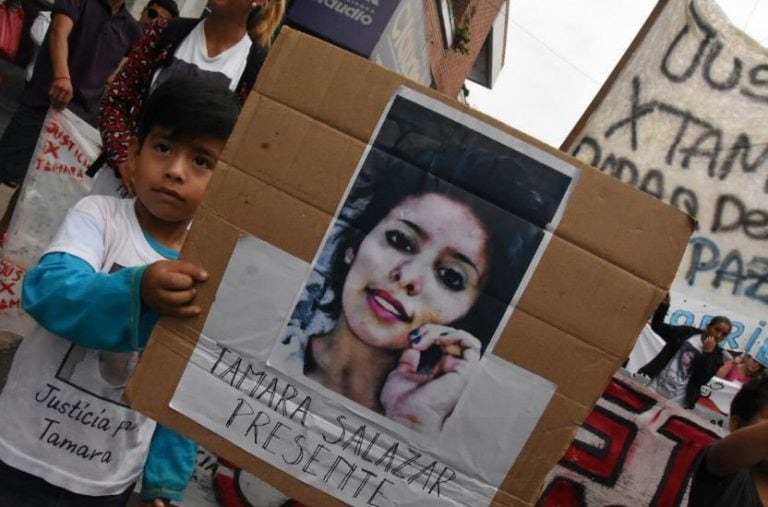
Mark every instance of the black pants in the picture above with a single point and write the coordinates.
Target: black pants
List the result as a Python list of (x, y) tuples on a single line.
[(18, 143), (19, 488)]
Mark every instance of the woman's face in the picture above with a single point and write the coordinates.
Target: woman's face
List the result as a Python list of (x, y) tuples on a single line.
[(717, 331), (423, 263), (751, 365)]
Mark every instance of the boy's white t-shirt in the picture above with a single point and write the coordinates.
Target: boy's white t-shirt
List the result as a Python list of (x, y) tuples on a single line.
[(191, 59), (62, 417)]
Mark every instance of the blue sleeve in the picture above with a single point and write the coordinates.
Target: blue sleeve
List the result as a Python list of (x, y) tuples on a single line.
[(66, 296), (169, 465)]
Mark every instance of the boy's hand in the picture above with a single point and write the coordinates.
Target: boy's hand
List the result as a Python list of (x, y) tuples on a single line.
[(169, 287)]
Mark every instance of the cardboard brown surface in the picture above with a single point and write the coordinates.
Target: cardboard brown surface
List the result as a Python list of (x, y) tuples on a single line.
[(281, 177)]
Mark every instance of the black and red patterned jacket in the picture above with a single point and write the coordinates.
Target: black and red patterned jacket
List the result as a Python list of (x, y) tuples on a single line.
[(123, 101)]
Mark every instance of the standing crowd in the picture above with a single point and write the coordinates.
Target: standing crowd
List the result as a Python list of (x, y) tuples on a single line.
[(734, 470)]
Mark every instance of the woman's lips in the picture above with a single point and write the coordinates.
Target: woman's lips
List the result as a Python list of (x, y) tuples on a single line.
[(386, 307)]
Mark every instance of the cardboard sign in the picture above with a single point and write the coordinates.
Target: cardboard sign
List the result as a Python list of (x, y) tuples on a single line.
[(683, 119), (303, 255), (634, 448)]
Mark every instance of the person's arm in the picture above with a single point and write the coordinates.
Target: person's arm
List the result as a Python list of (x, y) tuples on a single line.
[(123, 98), (725, 369), (169, 466), (66, 296), (706, 364), (60, 92), (665, 331), (742, 448), (66, 293)]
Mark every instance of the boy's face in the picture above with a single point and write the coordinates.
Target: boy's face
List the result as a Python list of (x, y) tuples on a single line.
[(170, 176)]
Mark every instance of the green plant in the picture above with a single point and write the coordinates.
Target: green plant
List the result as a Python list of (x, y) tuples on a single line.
[(461, 33), (461, 39)]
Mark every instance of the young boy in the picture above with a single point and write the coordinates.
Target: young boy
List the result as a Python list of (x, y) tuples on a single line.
[(734, 470), (67, 438)]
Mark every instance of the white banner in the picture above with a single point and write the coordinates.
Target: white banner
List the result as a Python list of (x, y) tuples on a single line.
[(685, 122), (56, 179)]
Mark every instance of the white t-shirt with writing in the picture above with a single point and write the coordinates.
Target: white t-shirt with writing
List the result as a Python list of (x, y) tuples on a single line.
[(62, 416), (673, 379)]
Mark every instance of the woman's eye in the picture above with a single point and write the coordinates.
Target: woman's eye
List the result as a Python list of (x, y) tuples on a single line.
[(399, 241), (451, 278)]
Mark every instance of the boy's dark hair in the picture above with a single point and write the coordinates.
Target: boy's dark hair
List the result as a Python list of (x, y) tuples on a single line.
[(189, 108), (751, 399), (168, 5)]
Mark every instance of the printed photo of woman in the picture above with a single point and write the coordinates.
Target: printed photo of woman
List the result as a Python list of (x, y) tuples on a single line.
[(431, 248)]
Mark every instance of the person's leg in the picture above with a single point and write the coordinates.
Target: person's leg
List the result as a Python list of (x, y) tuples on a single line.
[(18, 143), (19, 488), (74, 500)]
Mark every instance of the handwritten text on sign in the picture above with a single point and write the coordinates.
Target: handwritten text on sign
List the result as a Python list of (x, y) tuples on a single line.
[(685, 122)]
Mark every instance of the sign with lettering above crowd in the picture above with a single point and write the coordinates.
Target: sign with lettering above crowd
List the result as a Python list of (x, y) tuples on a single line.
[(683, 118)]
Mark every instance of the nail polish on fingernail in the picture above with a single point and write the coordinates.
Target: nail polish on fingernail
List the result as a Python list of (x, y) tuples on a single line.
[(445, 333), (415, 336)]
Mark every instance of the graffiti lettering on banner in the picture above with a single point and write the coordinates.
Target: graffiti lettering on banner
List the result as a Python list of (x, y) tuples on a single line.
[(634, 448)]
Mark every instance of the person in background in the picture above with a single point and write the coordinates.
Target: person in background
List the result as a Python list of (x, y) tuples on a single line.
[(734, 470), (741, 370), (227, 47), (84, 45), (689, 359), (163, 9), (68, 439)]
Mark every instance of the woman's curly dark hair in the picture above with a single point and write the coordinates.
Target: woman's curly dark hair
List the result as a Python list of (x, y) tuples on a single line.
[(502, 193)]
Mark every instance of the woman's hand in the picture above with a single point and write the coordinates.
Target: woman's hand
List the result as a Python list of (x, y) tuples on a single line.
[(709, 344), (423, 396)]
